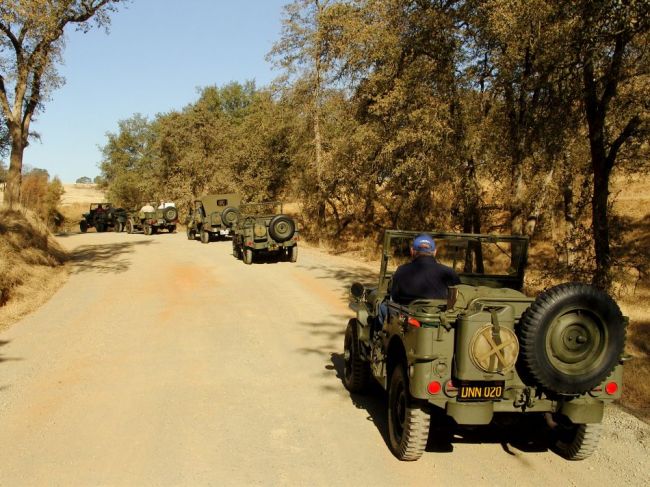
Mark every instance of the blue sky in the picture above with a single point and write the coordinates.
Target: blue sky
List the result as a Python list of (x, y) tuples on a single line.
[(156, 55)]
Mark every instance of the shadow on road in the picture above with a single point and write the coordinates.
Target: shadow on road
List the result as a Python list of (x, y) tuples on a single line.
[(106, 258), (3, 358), (345, 274)]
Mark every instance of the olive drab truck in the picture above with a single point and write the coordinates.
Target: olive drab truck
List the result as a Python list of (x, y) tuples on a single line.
[(488, 349), (212, 216)]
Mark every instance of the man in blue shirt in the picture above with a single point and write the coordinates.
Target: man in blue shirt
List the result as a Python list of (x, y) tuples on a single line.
[(423, 277)]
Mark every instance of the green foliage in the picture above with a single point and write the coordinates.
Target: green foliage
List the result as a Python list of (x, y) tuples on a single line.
[(84, 180), (43, 195)]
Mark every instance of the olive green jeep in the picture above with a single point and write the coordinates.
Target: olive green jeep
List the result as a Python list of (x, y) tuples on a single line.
[(262, 228), (103, 217), (213, 216), (150, 219), (488, 351)]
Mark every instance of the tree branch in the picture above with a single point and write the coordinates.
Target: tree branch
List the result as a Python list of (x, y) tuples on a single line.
[(14, 41), (612, 77), (626, 133), (4, 101)]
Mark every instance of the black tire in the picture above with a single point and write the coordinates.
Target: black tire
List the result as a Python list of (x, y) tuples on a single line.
[(236, 252), (148, 229), (571, 338), (154, 230), (191, 235), (229, 216), (170, 213), (576, 441), (129, 226), (171, 228), (119, 227), (408, 422), (248, 256), (205, 236), (282, 228), (100, 227), (83, 226), (356, 371), (293, 253)]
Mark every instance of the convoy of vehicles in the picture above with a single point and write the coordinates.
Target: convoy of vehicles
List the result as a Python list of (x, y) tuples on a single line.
[(485, 351)]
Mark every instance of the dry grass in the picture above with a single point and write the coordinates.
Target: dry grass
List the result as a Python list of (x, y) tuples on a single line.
[(31, 264), (81, 193)]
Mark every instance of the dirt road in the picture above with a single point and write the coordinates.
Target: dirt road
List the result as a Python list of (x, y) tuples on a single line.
[(168, 362)]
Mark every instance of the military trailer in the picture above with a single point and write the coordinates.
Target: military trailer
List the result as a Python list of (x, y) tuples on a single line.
[(149, 219), (262, 228), (213, 216), (488, 351), (103, 217)]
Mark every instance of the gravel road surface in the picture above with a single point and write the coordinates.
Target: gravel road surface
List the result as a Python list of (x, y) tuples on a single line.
[(168, 362)]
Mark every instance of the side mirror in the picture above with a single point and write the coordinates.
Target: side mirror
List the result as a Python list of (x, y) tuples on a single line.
[(357, 290)]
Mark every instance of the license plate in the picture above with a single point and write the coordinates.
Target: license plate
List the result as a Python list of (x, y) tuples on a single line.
[(481, 391)]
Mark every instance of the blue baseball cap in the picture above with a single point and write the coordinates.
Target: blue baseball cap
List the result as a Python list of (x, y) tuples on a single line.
[(424, 243)]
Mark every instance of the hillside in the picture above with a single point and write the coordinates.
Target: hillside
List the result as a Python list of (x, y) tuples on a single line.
[(31, 265)]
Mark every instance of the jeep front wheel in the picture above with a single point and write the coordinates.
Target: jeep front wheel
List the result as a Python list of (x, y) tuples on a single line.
[(571, 338), (408, 423), (129, 226), (83, 226), (248, 256), (171, 228), (205, 236), (356, 371), (190, 233), (148, 229)]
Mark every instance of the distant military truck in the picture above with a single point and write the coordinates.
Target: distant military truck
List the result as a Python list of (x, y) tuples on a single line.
[(488, 351), (149, 219), (262, 228), (102, 217), (213, 216)]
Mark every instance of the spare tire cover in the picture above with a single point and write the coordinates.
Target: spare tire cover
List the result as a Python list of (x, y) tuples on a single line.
[(282, 228), (571, 338), (229, 216)]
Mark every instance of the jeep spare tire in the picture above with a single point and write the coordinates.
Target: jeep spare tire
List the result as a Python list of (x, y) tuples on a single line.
[(571, 338), (282, 228), (229, 216), (170, 213)]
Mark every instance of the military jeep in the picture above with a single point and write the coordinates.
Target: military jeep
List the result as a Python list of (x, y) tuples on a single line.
[(488, 350), (262, 228), (149, 219), (213, 216), (103, 217)]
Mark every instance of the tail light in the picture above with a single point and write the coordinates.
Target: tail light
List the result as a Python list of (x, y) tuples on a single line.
[(414, 323), (434, 387), (611, 388)]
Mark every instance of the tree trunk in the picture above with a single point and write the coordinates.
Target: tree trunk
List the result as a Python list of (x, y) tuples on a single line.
[(14, 175), (600, 222)]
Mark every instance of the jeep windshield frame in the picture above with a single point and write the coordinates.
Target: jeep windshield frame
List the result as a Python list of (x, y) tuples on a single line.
[(497, 261)]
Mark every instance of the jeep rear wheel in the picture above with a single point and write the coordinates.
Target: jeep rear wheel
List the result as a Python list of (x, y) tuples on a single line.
[(171, 228), (83, 226), (576, 441), (356, 371), (205, 236), (571, 338), (281, 228), (293, 253), (148, 229), (408, 423), (190, 233), (119, 227), (248, 256)]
